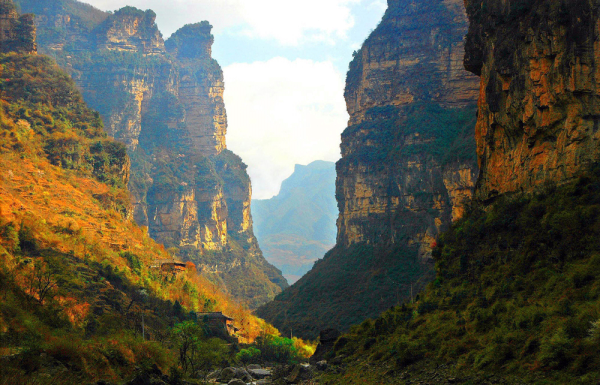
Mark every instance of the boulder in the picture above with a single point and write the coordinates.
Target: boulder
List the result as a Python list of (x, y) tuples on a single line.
[(259, 373), (236, 381), (227, 374), (321, 365), (300, 373), (243, 375), (253, 367), (213, 374), (327, 340)]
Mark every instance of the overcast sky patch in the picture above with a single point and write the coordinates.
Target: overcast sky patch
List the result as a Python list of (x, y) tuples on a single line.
[(282, 113)]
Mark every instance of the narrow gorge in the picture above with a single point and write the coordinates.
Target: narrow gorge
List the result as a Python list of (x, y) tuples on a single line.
[(164, 100), (408, 166)]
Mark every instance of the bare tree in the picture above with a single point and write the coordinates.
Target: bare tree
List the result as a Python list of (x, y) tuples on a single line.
[(41, 282)]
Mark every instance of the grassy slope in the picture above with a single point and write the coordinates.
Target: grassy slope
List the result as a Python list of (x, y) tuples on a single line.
[(64, 226), (344, 288), (515, 300)]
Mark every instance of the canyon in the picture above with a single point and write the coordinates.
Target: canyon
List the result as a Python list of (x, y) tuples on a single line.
[(297, 226), (164, 100), (408, 167), (508, 291)]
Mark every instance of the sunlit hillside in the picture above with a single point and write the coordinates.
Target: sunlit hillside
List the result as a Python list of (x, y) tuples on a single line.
[(81, 299)]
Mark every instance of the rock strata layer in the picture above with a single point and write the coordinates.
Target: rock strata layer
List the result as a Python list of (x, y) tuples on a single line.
[(538, 103), (408, 165), (164, 100), (404, 88)]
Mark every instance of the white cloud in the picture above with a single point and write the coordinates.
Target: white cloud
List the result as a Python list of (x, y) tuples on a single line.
[(292, 22), (281, 113), (287, 22)]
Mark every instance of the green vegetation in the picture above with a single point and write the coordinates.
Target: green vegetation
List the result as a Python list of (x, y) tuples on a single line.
[(198, 352), (45, 105), (248, 355), (516, 295), (443, 134), (82, 299), (346, 286)]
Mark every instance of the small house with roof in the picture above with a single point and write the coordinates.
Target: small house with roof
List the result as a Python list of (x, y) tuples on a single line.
[(217, 322)]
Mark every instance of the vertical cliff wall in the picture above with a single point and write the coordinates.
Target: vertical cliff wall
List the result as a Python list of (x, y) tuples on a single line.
[(538, 103), (17, 32), (408, 163), (164, 100), (410, 101)]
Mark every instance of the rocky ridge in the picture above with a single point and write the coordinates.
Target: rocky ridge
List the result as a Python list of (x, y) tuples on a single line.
[(407, 76), (538, 110), (164, 100)]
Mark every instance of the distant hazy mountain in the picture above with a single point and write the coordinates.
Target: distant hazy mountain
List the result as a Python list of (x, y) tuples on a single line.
[(297, 226)]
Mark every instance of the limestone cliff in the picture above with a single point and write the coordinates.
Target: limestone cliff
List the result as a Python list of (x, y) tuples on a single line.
[(539, 63), (408, 164), (17, 32), (130, 29), (164, 100), (404, 88)]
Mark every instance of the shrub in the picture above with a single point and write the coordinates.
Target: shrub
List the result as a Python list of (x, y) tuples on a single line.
[(248, 355), (554, 350), (277, 349)]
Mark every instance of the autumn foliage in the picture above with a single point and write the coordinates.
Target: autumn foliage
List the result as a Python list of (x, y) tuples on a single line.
[(77, 276)]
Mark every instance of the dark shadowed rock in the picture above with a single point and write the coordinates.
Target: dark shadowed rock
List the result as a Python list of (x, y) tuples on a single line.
[(322, 365), (327, 339)]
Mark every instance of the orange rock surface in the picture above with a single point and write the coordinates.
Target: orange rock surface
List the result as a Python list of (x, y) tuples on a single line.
[(538, 102)]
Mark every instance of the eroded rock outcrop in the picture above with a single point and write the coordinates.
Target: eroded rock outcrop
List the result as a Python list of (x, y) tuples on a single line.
[(164, 100), (17, 32), (538, 104)]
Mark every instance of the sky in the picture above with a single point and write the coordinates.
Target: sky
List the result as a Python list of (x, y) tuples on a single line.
[(284, 64)]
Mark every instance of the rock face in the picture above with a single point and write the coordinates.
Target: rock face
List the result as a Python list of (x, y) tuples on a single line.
[(297, 227), (408, 163), (164, 100), (538, 103), (404, 87), (17, 33), (327, 340)]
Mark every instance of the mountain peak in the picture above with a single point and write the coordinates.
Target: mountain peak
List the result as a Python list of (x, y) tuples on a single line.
[(192, 41), (131, 29)]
